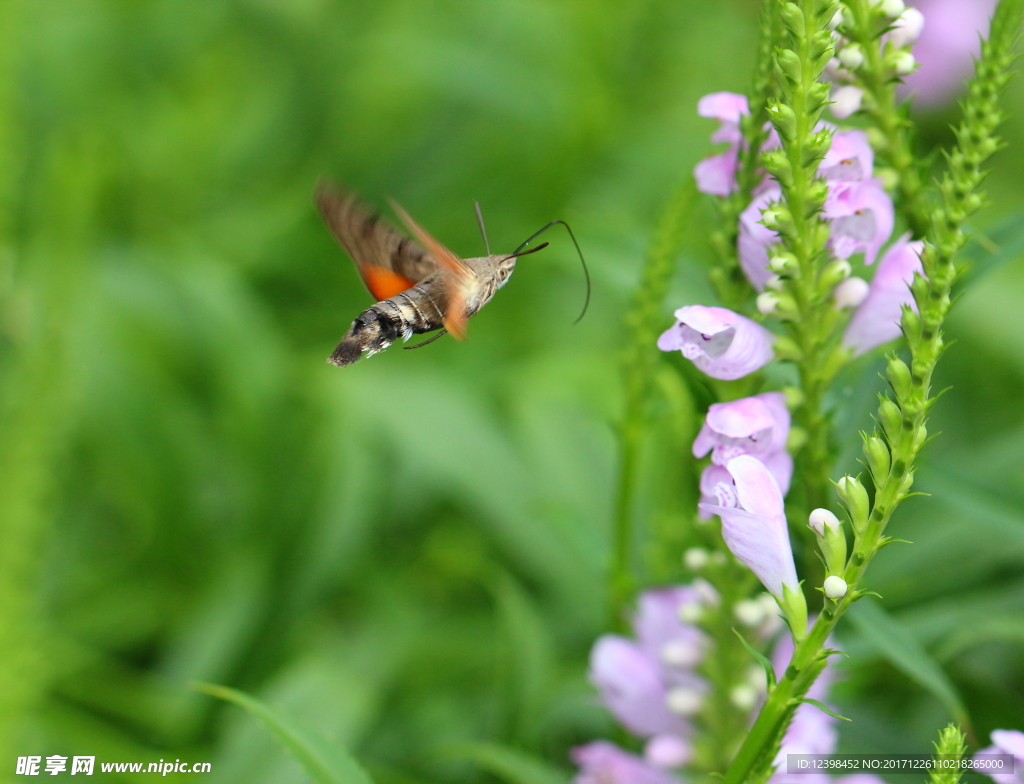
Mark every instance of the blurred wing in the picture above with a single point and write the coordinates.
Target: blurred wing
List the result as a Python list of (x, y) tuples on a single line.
[(388, 262), (456, 281)]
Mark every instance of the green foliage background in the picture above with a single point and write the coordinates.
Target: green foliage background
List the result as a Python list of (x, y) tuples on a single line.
[(409, 553)]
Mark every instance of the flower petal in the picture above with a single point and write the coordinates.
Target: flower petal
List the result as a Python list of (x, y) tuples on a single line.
[(716, 175), (724, 106), (877, 319)]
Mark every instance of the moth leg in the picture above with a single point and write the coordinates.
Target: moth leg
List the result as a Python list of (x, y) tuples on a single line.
[(440, 334)]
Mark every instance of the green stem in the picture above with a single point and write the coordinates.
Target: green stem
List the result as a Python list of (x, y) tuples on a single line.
[(876, 79), (638, 368)]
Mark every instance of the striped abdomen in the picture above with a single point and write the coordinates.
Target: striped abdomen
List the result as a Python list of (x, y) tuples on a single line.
[(419, 309)]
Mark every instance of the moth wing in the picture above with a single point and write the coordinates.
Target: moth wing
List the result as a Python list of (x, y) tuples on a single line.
[(388, 262), (456, 281)]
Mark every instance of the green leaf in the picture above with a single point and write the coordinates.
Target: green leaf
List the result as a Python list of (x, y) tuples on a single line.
[(824, 708), (985, 252), (322, 760), (906, 654), (766, 665), (509, 765)]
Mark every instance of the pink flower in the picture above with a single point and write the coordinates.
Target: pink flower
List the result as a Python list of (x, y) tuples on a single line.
[(662, 635), (877, 319), (862, 218), (723, 344), (716, 175), (754, 523), (1007, 742), (602, 762), (946, 47), (859, 209), (668, 751), (755, 238), (757, 426), (633, 688)]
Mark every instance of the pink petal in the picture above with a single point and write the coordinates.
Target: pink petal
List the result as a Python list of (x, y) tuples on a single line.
[(849, 158), (602, 762), (946, 48), (757, 534), (724, 106), (717, 175), (740, 418), (754, 238), (877, 319), (630, 683)]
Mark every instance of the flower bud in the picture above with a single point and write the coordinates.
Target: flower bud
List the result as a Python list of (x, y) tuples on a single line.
[(891, 8), (782, 262), (899, 376), (855, 498), (907, 28), (835, 587), (696, 558), (795, 397), (681, 655), (891, 417), (851, 292), (749, 612), (877, 454), (903, 63), (836, 20), (831, 539), (819, 519), (846, 100), (921, 437), (775, 283), (767, 302), (851, 56), (707, 593), (684, 701), (835, 272), (796, 439), (907, 483), (744, 696), (691, 612)]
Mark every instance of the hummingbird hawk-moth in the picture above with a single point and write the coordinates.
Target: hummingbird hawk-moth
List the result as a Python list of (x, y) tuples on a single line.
[(420, 285)]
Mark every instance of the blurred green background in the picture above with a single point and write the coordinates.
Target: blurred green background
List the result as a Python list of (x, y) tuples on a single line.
[(409, 552)]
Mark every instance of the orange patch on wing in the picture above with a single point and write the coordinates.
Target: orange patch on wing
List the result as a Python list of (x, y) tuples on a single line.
[(383, 283)]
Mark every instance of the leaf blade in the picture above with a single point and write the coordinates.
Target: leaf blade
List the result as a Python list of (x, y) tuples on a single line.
[(322, 760)]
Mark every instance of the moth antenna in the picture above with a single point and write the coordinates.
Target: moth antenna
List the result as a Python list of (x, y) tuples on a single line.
[(483, 229), (586, 272), (440, 334)]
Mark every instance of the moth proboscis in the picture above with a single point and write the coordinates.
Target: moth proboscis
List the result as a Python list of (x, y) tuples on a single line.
[(420, 284)]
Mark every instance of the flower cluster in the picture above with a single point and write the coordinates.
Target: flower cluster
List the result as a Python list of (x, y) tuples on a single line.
[(1007, 742), (905, 27)]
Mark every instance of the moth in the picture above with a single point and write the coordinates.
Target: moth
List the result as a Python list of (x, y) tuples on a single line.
[(420, 285)]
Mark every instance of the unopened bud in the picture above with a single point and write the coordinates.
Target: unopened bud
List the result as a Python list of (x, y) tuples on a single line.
[(820, 519), (899, 376), (691, 612), (749, 612), (795, 397), (835, 587), (681, 654), (696, 558), (782, 262), (903, 63), (921, 437), (846, 100), (891, 417), (907, 483), (855, 497), (851, 292), (836, 20), (706, 591), (796, 439), (668, 751), (907, 28), (891, 8), (744, 696), (684, 701), (833, 273), (851, 56), (775, 283), (877, 454), (767, 302), (831, 539)]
